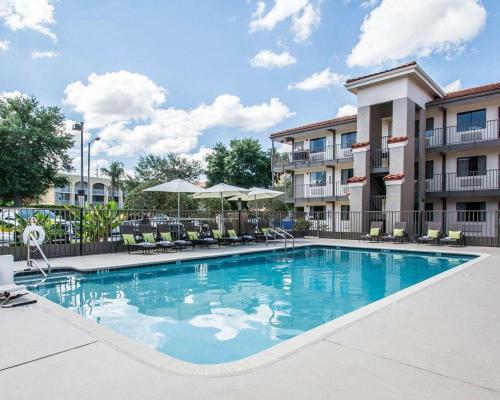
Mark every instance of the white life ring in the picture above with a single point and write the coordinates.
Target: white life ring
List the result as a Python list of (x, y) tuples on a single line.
[(38, 233)]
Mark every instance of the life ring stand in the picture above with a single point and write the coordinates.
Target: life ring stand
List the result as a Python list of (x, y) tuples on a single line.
[(37, 232)]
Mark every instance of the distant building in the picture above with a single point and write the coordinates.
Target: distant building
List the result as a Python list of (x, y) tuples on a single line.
[(100, 192)]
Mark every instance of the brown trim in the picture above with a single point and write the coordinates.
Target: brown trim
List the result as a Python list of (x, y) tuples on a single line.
[(316, 125), (394, 177), (411, 63), (397, 139)]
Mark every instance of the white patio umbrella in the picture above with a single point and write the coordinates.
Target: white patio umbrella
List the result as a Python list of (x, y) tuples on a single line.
[(257, 193), (176, 186), (221, 190)]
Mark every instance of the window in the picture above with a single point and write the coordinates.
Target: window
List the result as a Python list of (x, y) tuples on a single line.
[(318, 178), (429, 212), (429, 169), (318, 145), (344, 212), (470, 120), (347, 140), (298, 146), (474, 211), (429, 127), (471, 166), (317, 212), (345, 174)]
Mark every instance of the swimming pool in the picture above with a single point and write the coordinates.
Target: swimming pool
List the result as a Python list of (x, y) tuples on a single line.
[(224, 309)]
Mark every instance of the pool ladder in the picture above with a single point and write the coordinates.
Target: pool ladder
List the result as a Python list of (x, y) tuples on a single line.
[(31, 262), (282, 234)]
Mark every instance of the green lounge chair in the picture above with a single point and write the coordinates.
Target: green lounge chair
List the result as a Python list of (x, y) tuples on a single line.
[(455, 236), (148, 235), (165, 232), (375, 233), (399, 233), (129, 240), (433, 233)]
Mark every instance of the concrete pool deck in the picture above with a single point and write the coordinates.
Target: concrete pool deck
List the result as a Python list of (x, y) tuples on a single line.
[(438, 343)]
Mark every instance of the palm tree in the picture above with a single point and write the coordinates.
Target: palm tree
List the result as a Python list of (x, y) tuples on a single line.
[(115, 171)]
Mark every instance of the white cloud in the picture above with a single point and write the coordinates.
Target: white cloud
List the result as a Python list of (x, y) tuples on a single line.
[(44, 54), (114, 97), (9, 95), (346, 109), (319, 80), (200, 156), (303, 24), (127, 109), (4, 45), (36, 15), (268, 59), (369, 3), (398, 29), (305, 17), (453, 86)]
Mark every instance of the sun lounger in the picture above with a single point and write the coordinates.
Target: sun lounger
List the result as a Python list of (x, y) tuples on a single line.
[(129, 240), (433, 233), (399, 233), (375, 233), (165, 232), (455, 236), (148, 235)]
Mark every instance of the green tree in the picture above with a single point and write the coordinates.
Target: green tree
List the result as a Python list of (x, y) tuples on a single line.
[(244, 163), (216, 165), (115, 173), (152, 170), (34, 149)]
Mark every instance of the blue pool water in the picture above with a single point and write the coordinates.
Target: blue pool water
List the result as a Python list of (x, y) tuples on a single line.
[(224, 309)]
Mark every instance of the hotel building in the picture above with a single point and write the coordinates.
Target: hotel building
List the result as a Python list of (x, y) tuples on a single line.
[(411, 147)]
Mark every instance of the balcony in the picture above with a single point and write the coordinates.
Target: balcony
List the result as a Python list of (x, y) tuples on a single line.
[(475, 183), (325, 192), (380, 160), (483, 133), (302, 158)]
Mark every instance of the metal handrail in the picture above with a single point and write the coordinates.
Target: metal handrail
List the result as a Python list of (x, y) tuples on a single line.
[(283, 234), (31, 261)]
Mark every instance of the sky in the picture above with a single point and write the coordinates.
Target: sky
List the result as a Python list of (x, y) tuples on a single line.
[(181, 75)]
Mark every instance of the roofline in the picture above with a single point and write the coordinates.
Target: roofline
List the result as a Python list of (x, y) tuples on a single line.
[(353, 84), (349, 119), (438, 102)]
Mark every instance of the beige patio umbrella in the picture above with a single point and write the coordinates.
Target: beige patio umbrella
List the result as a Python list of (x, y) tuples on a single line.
[(221, 191), (176, 186)]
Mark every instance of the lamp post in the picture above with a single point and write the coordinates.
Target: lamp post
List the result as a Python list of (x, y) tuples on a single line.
[(89, 198), (81, 192)]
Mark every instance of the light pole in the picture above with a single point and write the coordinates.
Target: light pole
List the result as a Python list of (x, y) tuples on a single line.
[(89, 199), (81, 192)]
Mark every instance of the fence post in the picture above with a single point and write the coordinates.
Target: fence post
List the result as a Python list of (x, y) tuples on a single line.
[(81, 231)]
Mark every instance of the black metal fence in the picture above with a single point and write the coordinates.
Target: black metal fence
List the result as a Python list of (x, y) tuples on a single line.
[(71, 232)]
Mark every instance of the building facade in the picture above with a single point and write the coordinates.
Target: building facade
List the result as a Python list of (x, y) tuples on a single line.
[(101, 192), (411, 147)]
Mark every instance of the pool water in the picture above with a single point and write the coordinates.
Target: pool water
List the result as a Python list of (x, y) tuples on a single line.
[(224, 309)]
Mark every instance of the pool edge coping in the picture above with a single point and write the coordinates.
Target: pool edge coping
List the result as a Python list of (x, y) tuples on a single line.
[(271, 355)]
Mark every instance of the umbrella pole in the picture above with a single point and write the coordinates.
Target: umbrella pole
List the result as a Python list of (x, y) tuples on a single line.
[(178, 215), (222, 215)]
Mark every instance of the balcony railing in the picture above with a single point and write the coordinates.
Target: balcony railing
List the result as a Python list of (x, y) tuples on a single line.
[(473, 181), (487, 130), (315, 191), (380, 158), (98, 192), (328, 153)]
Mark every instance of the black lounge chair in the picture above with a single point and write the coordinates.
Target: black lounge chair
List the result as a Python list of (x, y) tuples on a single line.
[(129, 240), (263, 232), (231, 237), (399, 233), (433, 233), (249, 235), (196, 239), (165, 232), (148, 235), (375, 233), (455, 236)]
